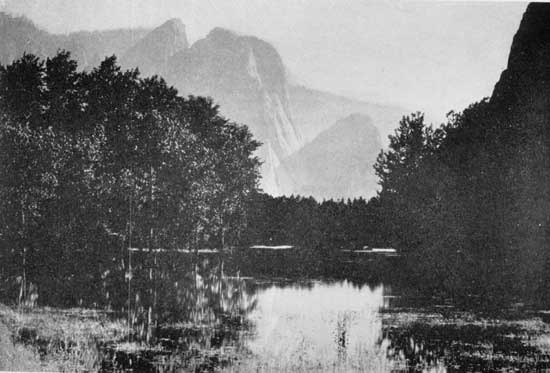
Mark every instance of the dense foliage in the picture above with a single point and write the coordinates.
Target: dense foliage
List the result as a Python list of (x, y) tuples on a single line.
[(95, 162), (469, 204), (323, 235), (466, 204), (92, 163)]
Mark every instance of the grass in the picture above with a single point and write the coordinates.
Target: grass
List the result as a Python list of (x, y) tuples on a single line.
[(17, 357), (419, 343), (363, 363), (50, 339)]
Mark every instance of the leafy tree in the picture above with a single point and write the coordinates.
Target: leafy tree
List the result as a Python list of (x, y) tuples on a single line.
[(93, 162)]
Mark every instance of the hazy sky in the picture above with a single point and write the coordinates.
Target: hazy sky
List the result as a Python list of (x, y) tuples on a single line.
[(425, 56)]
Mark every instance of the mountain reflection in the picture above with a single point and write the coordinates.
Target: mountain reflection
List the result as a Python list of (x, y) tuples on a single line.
[(207, 320), (204, 320), (321, 326)]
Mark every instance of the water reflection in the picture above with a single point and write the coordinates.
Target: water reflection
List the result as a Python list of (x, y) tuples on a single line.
[(209, 321), (323, 326), (183, 315)]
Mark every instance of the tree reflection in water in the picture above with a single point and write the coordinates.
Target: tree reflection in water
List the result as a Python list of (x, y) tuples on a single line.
[(185, 313), (203, 319)]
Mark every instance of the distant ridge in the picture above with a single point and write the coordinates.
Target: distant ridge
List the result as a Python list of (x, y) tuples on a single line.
[(338, 163), (19, 35), (246, 76)]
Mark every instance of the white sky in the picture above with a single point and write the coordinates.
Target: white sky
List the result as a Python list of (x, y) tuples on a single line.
[(425, 56)]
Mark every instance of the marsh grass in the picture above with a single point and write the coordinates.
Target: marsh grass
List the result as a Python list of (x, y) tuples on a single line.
[(58, 340), (417, 341), (51, 339), (362, 363), (17, 357)]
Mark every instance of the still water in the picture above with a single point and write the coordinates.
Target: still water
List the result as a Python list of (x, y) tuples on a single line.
[(334, 326), (322, 326)]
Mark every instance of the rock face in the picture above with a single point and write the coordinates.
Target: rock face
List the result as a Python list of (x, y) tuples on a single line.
[(152, 52), (526, 80), (246, 76), (338, 163)]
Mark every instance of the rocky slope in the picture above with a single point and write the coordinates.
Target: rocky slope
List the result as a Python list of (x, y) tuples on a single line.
[(338, 163), (526, 81), (246, 76)]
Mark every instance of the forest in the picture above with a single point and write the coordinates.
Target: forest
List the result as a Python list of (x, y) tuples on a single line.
[(96, 162), (465, 203)]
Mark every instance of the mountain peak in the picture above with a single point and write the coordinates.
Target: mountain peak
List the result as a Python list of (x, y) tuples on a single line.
[(527, 74), (221, 32), (151, 53), (230, 39), (247, 77), (174, 21), (171, 33), (176, 27)]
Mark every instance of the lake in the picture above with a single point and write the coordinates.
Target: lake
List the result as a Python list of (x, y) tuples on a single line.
[(241, 324)]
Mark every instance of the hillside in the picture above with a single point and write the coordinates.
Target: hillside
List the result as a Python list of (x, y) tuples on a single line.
[(338, 163)]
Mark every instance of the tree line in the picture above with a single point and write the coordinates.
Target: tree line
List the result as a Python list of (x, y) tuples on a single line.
[(468, 203), (93, 163)]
